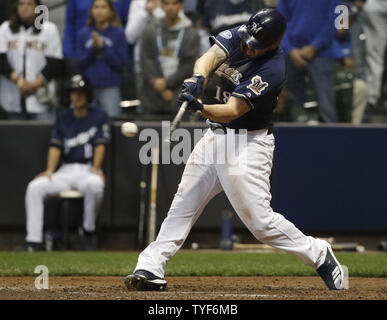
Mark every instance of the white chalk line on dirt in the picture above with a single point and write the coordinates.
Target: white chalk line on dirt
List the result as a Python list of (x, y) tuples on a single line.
[(196, 293), (219, 294)]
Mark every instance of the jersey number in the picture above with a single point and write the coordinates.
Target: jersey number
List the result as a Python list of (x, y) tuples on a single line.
[(222, 96), (88, 151)]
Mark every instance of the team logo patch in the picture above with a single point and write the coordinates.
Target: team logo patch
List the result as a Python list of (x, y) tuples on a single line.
[(230, 73), (257, 85), (226, 34)]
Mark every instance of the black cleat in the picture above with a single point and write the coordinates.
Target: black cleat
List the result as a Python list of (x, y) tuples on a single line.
[(333, 274), (142, 280), (31, 247), (89, 240)]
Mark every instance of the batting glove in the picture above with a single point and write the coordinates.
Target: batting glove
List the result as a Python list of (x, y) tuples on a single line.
[(193, 85), (193, 104)]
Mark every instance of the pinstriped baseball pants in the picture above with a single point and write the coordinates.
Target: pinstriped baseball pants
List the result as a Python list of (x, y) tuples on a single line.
[(245, 178), (69, 176)]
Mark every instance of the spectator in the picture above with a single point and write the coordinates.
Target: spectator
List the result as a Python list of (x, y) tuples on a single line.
[(308, 46), (101, 55), (349, 50), (168, 52), (79, 139), (4, 15), (141, 14), (57, 13), (190, 7), (24, 86), (376, 44), (76, 18), (221, 15)]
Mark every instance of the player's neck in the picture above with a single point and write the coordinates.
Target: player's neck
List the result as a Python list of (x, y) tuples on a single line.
[(81, 112)]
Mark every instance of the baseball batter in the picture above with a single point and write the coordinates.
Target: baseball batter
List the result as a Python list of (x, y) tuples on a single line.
[(245, 72), (79, 137)]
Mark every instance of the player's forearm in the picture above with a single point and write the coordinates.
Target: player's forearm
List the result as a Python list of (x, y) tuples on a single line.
[(53, 157), (208, 62), (233, 109), (205, 64), (54, 68), (99, 156), (5, 67), (220, 112)]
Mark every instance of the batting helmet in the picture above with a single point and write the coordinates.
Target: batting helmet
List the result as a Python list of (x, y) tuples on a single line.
[(78, 82), (264, 28)]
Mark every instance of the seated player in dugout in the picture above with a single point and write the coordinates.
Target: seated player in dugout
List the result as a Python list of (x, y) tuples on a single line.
[(79, 138), (245, 72)]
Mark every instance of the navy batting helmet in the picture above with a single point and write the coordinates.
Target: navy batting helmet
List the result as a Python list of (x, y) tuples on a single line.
[(264, 28), (78, 82)]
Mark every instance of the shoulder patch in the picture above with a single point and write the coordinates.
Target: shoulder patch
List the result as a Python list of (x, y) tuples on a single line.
[(257, 85), (226, 34)]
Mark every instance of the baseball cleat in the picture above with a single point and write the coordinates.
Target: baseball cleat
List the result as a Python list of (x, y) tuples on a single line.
[(31, 247), (89, 240), (142, 280), (333, 274)]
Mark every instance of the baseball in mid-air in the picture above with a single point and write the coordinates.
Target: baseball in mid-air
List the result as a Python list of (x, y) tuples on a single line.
[(129, 129)]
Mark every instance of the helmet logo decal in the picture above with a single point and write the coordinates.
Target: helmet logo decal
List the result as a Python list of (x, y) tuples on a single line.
[(255, 28), (257, 85)]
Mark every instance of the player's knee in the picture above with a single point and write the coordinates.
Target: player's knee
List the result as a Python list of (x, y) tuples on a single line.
[(262, 215), (361, 87), (95, 184), (36, 186)]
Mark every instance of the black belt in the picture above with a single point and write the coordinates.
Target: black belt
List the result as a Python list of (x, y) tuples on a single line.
[(78, 161), (216, 126)]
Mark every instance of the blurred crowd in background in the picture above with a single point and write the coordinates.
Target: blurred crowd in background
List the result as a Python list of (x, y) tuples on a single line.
[(136, 54)]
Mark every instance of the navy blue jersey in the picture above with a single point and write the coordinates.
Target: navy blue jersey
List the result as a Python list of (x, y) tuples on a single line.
[(77, 137), (258, 81)]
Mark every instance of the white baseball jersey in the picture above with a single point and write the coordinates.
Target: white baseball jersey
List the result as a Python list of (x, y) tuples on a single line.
[(34, 48)]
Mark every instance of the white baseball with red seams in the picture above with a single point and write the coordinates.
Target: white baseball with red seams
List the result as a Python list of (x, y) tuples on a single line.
[(129, 129)]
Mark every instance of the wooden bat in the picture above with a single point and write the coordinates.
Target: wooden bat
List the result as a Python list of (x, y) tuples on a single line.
[(153, 197), (335, 246), (253, 246), (348, 246), (176, 121), (141, 220)]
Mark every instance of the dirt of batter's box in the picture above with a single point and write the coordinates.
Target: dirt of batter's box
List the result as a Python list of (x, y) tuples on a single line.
[(193, 288)]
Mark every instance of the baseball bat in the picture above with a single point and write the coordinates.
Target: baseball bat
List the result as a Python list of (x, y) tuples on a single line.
[(143, 185), (176, 121), (253, 246), (347, 246), (153, 197), (23, 105)]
